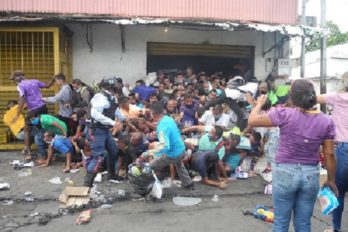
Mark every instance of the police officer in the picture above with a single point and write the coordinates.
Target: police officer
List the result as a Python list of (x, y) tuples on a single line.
[(102, 111)]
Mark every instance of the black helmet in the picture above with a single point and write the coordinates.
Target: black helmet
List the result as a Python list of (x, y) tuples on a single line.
[(108, 83)]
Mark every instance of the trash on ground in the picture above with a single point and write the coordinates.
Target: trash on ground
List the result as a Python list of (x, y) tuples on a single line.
[(167, 183), (268, 189), (74, 170), (69, 181), (29, 199), (98, 178), (264, 213), (55, 180), (240, 174), (215, 198), (34, 214), (187, 201), (177, 183), (29, 165), (197, 179), (6, 202), (14, 162), (121, 193), (105, 206), (142, 184), (327, 200), (157, 189), (27, 194), (4, 186), (96, 195), (74, 196), (28, 172), (84, 217)]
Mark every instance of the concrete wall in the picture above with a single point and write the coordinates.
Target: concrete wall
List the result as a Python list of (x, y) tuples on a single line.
[(107, 58)]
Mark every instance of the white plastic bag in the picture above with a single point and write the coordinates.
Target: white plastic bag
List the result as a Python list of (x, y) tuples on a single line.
[(157, 189)]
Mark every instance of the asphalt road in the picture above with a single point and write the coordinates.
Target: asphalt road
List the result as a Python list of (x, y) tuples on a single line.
[(133, 213)]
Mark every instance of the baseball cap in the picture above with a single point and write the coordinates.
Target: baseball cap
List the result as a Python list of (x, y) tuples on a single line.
[(17, 73)]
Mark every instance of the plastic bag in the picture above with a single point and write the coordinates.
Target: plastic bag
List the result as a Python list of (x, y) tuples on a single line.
[(328, 201), (157, 189), (84, 217)]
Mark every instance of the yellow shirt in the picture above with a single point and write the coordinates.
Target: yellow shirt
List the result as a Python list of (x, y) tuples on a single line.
[(9, 116)]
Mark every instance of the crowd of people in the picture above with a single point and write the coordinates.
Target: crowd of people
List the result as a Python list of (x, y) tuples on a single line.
[(186, 125)]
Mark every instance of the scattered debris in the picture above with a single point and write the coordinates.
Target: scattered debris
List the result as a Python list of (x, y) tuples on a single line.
[(69, 181), (28, 172), (177, 183), (157, 189), (84, 217), (55, 180), (29, 199), (74, 196), (96, 195), (167, 183), (215, 198), (187, 201), (98, 178), (27, 194), (105, 206), (34, 214), (4, 186), (121, 193), (261, 212), (74, 170), (6, 202)]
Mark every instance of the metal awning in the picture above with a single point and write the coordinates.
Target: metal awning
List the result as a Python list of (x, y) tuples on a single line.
[(297, 30)]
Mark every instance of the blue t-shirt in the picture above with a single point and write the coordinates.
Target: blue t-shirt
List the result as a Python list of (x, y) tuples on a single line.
[(232, 160), (169, 136), (144, 91), (62, 145)]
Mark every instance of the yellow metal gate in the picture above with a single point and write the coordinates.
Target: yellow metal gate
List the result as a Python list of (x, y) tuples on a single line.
[(40, 53)]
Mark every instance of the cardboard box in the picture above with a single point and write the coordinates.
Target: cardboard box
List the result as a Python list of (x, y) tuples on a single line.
[(74, 196)]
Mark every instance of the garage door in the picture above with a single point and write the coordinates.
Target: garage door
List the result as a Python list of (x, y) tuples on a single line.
[(179, 49)]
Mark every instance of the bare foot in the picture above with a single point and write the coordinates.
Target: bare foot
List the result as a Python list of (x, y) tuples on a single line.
[(27, 157), (66, 170)]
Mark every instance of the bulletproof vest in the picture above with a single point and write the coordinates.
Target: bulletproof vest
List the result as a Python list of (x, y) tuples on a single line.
[(109, 112)]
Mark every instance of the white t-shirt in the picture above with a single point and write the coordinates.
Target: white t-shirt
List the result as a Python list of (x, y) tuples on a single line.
[(208, 119)]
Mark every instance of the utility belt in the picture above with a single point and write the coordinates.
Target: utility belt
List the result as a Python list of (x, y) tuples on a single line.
[(92, 124)]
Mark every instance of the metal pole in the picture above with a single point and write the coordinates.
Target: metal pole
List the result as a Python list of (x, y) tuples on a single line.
[(323, 54), (303, 46)]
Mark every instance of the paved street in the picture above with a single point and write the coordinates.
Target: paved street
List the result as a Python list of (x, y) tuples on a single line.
[(132, 213)]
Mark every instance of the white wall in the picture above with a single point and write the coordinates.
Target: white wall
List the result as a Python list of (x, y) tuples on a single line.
[(107, 57)]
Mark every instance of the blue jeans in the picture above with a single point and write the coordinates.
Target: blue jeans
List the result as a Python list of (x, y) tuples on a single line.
[(40, 143), (341, 182), (100, 139), (295, 189)]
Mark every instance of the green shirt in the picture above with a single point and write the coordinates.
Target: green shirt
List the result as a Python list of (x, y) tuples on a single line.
[(282, 90), (47, 120), (205, 144)]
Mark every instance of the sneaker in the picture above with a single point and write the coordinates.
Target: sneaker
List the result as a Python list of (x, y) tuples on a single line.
[(190, 186), (115, 179)]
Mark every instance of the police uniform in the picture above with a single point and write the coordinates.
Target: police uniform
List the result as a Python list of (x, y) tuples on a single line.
[(103, 107)]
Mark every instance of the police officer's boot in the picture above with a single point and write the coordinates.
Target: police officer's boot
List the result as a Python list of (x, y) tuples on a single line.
[(89, 179), (112, 177)]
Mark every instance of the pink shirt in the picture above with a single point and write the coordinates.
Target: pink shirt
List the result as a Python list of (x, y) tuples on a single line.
[(339, 101)]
